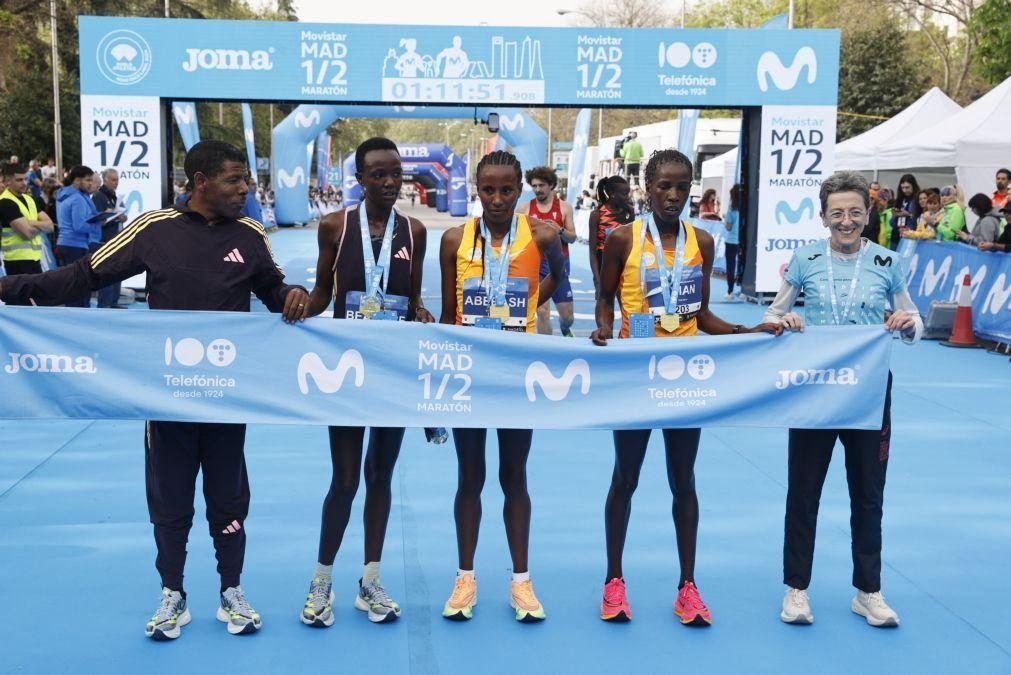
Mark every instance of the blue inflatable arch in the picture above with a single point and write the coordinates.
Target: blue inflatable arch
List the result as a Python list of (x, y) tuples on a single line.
[(291, 168), (432, 153)]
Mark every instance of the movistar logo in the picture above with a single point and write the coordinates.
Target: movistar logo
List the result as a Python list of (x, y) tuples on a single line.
[(556, 388), (326, 380), (512, 122), (785, 77), (304, 121), (290, 180), (227, 59), (800, 378), (49, 363), (785, 212), (185, 113)]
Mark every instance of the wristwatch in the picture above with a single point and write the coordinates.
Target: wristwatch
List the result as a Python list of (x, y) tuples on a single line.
[(738, 329)]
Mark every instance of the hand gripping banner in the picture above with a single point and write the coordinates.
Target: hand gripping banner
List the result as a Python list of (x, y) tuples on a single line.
[(213, 367)]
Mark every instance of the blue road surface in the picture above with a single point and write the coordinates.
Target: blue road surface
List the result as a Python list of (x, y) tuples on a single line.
[(77, 577)]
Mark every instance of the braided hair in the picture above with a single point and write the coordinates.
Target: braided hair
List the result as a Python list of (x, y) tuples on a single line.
[(661, 157), (605, 187), (500, 158), (496, 158)]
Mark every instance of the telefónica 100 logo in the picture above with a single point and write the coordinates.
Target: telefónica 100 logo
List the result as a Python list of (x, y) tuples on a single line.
[(190, 352)]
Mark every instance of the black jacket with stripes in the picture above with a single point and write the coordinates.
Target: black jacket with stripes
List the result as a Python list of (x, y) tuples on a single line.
[(191, 265)]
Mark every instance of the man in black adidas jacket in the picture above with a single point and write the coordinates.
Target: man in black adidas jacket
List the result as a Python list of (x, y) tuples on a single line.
[(200, 256)]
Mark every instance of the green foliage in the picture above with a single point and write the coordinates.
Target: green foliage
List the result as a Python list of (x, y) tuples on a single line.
[(992, 24), (878, 75), (26, 98), (735, 13)]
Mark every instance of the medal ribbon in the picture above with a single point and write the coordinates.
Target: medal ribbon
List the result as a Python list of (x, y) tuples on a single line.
[(670, 279), (853, 284), (376, 270), (496, 270)]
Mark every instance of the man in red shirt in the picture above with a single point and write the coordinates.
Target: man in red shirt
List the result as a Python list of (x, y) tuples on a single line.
[(548, 207), (999, 197)]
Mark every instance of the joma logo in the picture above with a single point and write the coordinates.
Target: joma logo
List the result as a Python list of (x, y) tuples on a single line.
[(50, 363)]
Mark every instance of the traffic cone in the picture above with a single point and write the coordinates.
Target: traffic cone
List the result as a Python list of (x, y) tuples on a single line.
[(961, 332)]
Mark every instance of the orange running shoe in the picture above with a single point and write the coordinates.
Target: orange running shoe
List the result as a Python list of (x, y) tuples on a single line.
[(614, 606), (690, 608), (528, 607), (460, 606)]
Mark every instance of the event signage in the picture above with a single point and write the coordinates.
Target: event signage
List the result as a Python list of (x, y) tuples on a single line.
[(294, 61), (212, 367), (123, 133), (935, 271), (797, 154)]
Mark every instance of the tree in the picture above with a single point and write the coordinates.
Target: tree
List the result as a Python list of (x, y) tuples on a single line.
[(955, 54), (878, 76), (992, 24), (625, 13), (26, 109)]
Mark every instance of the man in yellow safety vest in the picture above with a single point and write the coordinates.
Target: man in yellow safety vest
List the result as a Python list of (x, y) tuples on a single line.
[(24, 221)]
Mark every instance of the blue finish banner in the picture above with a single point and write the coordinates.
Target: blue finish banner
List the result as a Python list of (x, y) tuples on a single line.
[(263, 60), (934, 271), (213, 367)]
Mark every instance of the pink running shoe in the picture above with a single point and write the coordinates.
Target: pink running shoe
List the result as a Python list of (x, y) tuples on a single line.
[(614, 606), (690, 608)]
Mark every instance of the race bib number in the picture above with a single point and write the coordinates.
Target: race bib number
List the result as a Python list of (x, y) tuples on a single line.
[(391, 303), (475, 302), (689, 298)]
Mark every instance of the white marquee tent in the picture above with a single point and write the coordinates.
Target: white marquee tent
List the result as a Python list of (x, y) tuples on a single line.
[(860, 153), (974, 143)]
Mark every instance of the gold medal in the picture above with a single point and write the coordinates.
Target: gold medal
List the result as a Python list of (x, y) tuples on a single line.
[(369, 306), (498, 311), (670, 322)]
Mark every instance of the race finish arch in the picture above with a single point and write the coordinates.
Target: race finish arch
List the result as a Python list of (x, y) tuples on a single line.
[(784, 81)]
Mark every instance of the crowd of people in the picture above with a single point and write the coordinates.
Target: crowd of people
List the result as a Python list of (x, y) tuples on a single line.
[(72, 220), (940, 213), (496, 270)]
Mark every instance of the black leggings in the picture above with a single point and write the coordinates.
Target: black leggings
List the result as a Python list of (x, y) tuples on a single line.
[(682, 446), (514, 448), (730, 252), (346, 457)]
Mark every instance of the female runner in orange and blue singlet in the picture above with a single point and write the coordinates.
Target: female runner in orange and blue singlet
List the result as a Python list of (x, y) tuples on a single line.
[(661, 296), (491, 278)]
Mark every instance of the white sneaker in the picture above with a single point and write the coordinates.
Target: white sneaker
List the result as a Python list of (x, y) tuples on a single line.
[(872, 606), (796, 608)]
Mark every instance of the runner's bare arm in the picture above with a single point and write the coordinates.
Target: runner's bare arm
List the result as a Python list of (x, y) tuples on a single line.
[(450, 244), (331, 227)]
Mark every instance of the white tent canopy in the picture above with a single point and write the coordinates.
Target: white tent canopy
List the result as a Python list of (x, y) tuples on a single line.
[(939, 146), (860, 153), (987, 147), (718, 173)]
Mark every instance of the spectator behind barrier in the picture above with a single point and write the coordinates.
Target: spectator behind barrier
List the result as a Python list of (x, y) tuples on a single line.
[(75, 211), (999, 199), (953, 219), (988, 227), (1003, 242), (931, 215), (907, 208), (878, 228)]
